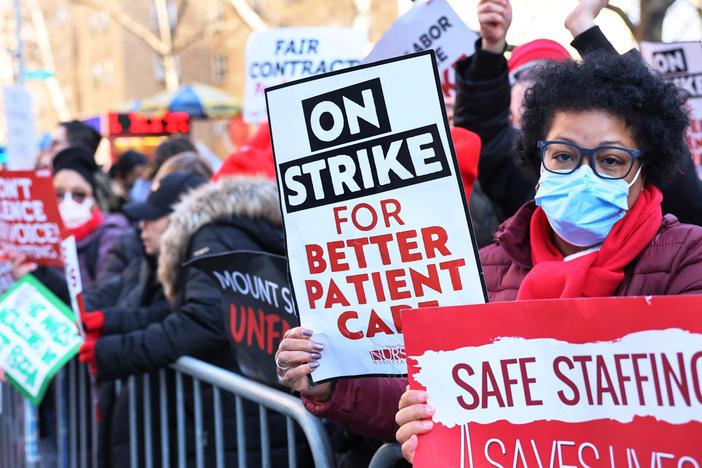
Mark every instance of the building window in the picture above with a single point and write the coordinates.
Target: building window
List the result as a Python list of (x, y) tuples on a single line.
[(219, 68), (96, 70)]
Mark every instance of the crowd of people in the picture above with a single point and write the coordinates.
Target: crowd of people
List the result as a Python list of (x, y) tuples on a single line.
[(583, 187)]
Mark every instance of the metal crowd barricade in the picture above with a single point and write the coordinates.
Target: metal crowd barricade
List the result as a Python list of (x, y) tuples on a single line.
[(76, 435), (387, 455)]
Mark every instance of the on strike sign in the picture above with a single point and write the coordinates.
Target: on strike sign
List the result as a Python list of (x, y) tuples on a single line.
[(374, 214), (30, 222), (580, 382), (681, 63), (285, 54)]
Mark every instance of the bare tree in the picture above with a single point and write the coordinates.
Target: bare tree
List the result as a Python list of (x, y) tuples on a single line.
[(247, 14), (58, 99), (167, 43), (650, 26)]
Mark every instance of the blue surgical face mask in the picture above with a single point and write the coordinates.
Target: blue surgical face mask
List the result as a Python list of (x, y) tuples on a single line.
[(581, 207)]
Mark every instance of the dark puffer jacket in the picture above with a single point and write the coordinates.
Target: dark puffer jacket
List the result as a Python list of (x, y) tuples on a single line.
[(670, 264), (93, 254), (234, 214), (129, 301)]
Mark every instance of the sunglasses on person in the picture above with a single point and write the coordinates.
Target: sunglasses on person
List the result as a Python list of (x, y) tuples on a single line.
[(77, 196)]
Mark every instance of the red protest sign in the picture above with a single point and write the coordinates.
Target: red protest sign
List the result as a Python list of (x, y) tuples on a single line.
[(30, 222), (578, 382)]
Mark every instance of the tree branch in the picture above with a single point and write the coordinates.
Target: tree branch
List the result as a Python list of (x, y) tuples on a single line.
[(622, 14), (183, 42), (128, 23), (247, 14)]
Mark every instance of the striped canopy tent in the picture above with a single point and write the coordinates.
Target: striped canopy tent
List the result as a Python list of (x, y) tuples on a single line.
[(197, 100)]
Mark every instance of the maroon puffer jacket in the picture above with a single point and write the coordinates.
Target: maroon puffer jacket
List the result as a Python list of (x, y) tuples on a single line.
[(670, 264)]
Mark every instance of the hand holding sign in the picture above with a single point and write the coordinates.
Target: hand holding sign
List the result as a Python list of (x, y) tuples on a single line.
[(296, 358), (414, 418)]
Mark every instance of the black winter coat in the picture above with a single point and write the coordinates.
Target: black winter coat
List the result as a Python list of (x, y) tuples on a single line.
[(129, 301), (235, 214)]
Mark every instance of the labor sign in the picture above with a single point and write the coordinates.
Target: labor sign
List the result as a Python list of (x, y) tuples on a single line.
[(375, 219), (30, 222), (429, 24), (578, 382)]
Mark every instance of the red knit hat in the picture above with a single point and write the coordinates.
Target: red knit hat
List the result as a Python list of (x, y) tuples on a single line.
[(527, 55), (254, 158), (467, 145)]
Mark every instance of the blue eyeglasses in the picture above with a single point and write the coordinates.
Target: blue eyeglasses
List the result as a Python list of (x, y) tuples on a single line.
[(608, 162)]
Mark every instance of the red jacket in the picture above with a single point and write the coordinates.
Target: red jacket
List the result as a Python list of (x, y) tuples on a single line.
[(670, 264)]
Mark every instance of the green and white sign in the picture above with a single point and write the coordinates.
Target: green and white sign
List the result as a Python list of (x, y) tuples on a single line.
[(38, 335)]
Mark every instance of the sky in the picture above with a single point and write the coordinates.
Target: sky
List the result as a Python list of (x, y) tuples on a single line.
[(532, 19)]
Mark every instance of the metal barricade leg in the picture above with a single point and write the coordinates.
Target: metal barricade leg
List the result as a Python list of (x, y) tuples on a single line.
[(73, 414), (180, 420), (31, 435), (61, 420), (265, 440), (163, 410), (199, 455), (290, 438), (83, 415), (133, 444), (240, 434), (219, 437), (148, 435)]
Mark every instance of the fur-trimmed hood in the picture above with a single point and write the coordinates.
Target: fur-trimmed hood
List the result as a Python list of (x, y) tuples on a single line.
[(252, 197)]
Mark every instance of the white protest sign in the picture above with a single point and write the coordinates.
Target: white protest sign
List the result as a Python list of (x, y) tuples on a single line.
[(280, 55), (374, 217), (38, 335), (434, 25), (21, 141), (681, 63)]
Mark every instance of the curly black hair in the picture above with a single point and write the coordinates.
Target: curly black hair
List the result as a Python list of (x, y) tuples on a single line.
[(622, 85)]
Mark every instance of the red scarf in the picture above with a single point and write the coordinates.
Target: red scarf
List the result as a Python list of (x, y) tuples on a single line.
[(597, 274), (87, 228)]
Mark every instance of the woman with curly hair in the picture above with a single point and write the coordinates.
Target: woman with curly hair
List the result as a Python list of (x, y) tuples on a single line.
[(600, 135)]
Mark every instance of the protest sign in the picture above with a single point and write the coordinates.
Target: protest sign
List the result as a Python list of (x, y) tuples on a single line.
[(37, 336), (576, 382), (280, 55), (21, 140), (429, 24), (681, 63), (30, 222), (258, 306), (372, 202)]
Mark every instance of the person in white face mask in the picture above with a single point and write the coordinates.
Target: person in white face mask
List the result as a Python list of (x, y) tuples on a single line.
[(74, 183)]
